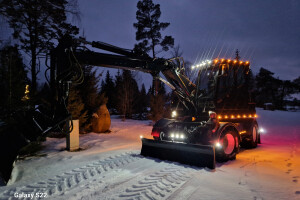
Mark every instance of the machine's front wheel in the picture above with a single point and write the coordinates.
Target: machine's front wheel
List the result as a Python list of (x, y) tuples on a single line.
[(229, 146)]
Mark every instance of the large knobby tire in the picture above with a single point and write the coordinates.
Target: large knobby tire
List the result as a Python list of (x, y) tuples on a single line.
[(229, 146), (254, 136)]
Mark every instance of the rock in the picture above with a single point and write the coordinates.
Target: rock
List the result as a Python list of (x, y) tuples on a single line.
[(101, 120)]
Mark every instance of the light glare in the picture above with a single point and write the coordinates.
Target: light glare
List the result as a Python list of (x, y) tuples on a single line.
[(174, 113), (261, 130)]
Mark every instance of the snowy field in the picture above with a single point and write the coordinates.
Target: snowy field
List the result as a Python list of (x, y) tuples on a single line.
[(109, 167)]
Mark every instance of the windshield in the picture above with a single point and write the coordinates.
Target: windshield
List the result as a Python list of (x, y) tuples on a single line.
[(206, 82)]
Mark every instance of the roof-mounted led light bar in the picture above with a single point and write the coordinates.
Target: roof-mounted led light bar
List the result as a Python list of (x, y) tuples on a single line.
[(203, 63), (219, 61), (237, 116)]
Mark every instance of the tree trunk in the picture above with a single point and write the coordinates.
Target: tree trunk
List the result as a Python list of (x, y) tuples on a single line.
[(153, 52), (155, 86), (33, 72)]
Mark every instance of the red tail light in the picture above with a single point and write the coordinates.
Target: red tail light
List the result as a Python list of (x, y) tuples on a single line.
[(155, 134)]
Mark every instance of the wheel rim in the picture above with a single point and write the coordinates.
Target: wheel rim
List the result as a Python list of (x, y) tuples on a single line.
[(228, 143), (254, 134)]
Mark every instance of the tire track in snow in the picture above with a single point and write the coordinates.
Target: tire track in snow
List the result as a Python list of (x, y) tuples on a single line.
[(72, 179), (159, 185)]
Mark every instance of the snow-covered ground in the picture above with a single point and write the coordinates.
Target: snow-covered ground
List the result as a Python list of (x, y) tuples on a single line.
[(109, 167)]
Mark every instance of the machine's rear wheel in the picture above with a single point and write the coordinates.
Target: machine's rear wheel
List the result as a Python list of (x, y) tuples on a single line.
[(229, 146), (254, 136)]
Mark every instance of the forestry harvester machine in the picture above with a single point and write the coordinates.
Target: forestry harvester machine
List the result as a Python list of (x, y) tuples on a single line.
[(214, 117)]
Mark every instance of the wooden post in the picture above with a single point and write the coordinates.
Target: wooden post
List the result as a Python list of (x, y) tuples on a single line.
[(73, 138)]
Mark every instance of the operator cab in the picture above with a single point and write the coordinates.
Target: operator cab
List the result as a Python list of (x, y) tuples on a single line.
[(222, 86)]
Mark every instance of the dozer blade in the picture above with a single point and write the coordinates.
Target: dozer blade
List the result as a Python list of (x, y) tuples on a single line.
[(192, 154)]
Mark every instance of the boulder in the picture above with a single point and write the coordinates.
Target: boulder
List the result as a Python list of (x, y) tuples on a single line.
[(101, 120)]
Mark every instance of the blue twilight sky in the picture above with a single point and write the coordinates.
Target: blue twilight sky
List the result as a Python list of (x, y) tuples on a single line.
[(266, 32)]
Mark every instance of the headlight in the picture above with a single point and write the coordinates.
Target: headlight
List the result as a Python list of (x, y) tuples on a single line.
[(182, 136), (174, 113), (172, 135), (261, 130), (218, 145)]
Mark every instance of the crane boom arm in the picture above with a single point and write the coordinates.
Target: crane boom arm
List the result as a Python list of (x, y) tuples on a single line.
[(66, 59)]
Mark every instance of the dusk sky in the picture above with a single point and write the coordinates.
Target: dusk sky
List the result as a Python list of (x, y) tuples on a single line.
[(266, 32)]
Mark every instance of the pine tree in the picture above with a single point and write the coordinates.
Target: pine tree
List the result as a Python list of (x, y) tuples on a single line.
[(157, 104), (127, 91), (118, 85), (263, 81), (142, 102), (296, 83), (267, 88), (13, 79), (37, 23), (143, 99), (76, 107), (157, 107), (149, 34), (89, 93), (149, 28), (286, 89), (108, 88)]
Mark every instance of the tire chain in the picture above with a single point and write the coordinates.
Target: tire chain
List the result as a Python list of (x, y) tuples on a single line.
[(68, 180)]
